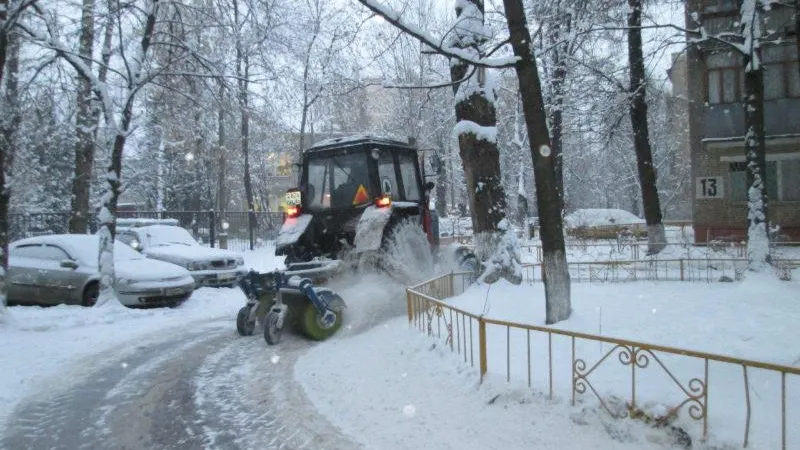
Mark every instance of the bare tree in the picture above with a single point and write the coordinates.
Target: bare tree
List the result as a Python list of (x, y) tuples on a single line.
[(656, 238), (85, 124), (119, 120), (476, 127), (10, 12), (549, 202)]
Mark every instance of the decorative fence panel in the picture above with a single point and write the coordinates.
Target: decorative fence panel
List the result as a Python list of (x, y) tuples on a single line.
[(755, 400)]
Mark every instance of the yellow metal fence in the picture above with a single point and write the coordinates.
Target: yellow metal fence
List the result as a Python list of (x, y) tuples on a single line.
[(650, 373)]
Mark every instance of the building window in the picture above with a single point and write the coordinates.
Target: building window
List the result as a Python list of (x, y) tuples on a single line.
[(715, 6), (781, 75), (790, 180), (725, 77), (783, 180)]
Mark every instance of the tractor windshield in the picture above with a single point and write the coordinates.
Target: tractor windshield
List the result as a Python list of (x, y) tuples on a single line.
[(338, 181)]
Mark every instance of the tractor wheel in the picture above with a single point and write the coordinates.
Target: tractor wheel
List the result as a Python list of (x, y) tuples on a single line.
[(311, 323), (272, 334), (244, 326)]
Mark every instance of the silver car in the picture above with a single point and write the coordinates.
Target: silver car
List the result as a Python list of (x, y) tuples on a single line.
[(62, 268), (209, 266)]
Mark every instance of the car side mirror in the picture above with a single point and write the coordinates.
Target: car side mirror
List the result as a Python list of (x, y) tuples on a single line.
[(69, 264), (429, 186)]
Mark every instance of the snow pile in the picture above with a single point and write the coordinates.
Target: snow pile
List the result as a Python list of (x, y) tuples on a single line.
[(504, 262), (482, 133), (596, 217)]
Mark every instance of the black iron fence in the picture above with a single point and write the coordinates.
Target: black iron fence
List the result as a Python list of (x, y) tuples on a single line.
[(233, 230)]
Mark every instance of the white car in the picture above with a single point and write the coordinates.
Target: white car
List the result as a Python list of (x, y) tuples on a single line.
[(208, 266), (62, 268)]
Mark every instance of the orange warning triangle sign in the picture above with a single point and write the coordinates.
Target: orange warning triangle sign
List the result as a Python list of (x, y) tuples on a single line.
[(361, 195)]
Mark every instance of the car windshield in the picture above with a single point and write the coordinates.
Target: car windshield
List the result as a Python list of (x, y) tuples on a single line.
[(164, 235), (125, 252)]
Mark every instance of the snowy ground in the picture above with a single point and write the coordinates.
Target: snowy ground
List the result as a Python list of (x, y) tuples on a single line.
[(403, 388), (42, 345), (383, 385)]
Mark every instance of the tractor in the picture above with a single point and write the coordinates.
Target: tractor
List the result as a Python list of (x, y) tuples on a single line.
[(354, 193)]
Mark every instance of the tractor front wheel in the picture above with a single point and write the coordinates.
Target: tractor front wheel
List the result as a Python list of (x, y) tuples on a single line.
[(272, 333), (244, 325)]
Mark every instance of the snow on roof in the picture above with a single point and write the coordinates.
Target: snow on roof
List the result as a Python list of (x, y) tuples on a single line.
[(83, 247), (140, 222), (597, 217), (355, 139)]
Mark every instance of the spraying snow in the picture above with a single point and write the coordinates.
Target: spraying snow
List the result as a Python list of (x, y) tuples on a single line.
[(407, 254)]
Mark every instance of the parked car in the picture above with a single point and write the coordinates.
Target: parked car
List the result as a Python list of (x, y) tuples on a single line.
[(209, 266), (62, 268)]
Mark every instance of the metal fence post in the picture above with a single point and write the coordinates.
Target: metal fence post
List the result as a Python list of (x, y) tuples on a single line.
[(251, 220), (408, 306), (681, 269), (482, 346), (212, 234)]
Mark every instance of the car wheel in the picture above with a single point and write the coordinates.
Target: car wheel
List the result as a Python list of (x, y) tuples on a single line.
[(272, 334), (90, 294), (312, 326), (244, 326)]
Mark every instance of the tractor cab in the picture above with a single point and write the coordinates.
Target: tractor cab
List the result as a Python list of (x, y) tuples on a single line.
[(352, 192)]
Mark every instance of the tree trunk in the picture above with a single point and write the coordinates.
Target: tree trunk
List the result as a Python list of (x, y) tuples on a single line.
[(108, 225), (243, 72), (221, 159), (477, 130), (245, 138), (557, 121), (755, 156), (557, 85), (656, 238), (9, 123), (555, 270), (85, 124), (3, 36)]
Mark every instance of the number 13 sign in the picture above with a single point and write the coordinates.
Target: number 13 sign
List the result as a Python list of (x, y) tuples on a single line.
[(709, 187)]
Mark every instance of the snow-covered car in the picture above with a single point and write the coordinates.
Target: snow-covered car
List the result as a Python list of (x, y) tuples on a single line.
[(209, 266), (62, 268), (600, 223)]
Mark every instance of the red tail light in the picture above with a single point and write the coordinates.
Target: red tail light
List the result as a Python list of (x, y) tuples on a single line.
[(383, 202), (292, 211)]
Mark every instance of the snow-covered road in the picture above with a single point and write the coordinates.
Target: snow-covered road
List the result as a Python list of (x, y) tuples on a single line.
[(195, 386)]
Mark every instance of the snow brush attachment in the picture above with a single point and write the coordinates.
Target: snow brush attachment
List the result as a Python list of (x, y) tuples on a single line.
[(325, 301)]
